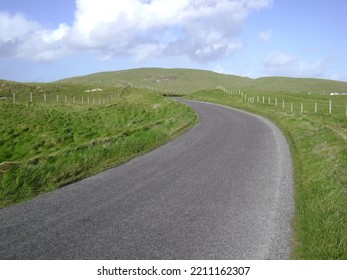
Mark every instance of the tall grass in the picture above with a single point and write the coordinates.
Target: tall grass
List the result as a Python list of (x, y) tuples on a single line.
[(318, 145), (46, 146)]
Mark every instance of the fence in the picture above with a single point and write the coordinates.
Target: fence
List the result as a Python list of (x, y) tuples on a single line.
[(67, 99), (336, 105), (298, 104), (85, 97)]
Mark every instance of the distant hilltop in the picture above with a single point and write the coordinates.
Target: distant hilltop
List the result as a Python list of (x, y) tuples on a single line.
[(190, 80)]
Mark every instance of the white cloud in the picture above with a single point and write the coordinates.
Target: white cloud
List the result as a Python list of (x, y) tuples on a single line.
[(265, 36), (22, 38), (14, 32), (281, 64), (13, 27), (144, 51), (200, 29)]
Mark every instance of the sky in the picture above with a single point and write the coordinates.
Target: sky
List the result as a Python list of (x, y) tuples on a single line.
[(43, 41)]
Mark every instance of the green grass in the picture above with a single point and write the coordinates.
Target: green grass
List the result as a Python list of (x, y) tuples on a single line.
[(318, 145), (191, 80), (57, 93), (49, 144), (44, 146), (171, 80)]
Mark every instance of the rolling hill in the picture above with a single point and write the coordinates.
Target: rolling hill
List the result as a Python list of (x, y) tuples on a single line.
[(190, 80)]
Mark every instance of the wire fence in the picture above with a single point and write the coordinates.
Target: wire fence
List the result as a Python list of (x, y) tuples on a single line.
[(95, 96), (299, 104), (308, 104)]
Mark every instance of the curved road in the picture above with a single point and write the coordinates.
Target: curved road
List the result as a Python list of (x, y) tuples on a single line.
[(223, 190)]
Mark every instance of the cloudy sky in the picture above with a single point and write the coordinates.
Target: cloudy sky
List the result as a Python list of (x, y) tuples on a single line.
[(43, 40)]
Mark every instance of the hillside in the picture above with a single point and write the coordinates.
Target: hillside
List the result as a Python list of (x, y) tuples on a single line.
[(304, 85), (182, 80), (190, 80)]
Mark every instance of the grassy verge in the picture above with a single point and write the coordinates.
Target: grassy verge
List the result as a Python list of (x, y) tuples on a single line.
[(318, 145), (44, 146)]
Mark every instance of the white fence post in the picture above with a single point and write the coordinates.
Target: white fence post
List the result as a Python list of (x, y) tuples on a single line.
[(330, 107), (14, 97), (315, 107)]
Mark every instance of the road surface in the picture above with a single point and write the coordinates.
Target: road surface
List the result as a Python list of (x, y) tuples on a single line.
[(223, 190)]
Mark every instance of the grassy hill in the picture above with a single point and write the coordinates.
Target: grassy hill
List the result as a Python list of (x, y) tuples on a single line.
[(304, 85), (190, 80), (181, 80), (56, 134)]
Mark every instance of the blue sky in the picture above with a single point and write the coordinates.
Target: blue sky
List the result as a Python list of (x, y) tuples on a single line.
[(44, 40)]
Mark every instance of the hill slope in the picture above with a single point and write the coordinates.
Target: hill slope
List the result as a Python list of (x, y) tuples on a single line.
[(190, 80), (187, 80)]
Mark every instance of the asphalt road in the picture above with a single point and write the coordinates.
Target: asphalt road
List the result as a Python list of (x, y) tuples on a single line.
[(223, 190)]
